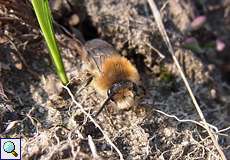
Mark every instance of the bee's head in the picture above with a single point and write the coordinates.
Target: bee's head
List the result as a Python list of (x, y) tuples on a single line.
[(122, 93)]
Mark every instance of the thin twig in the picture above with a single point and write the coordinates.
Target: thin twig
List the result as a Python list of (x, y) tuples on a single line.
[(184, 120), (164, 6), (156, 50), (95, 123), (92, 147), (2, 93), (170, 48), (19, 54), (224, 130), (216, 130)]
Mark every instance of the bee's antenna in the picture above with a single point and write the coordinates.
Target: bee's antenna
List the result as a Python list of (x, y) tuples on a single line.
[(102, 107)]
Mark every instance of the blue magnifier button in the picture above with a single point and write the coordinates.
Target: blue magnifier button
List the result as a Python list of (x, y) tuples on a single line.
[(8, 146)]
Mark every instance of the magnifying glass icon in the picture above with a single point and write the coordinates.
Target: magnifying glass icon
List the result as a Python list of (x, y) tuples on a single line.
[(9, 147)]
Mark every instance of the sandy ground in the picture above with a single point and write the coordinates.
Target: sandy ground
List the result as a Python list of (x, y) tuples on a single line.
[(35, 107)]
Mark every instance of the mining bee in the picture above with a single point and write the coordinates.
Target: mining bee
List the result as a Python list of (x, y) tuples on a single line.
[(113, 75)]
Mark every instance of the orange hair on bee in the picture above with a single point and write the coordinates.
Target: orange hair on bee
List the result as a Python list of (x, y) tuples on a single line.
[(115, 68)]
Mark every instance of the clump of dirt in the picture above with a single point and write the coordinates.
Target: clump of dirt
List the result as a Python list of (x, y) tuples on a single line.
[(35, 106)]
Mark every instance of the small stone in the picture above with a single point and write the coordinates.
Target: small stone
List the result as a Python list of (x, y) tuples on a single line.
[(74, 20), (168, 132), (41, 110), (213, 93), (18, 65)]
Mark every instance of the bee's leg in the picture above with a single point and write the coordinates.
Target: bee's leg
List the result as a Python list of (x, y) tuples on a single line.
[(102, 107), (142, 90), (85, 84)]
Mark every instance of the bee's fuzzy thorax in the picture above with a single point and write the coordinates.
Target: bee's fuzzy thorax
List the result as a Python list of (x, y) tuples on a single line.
[(114, 69)]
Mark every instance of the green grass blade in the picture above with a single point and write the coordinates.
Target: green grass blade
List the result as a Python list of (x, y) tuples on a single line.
[(44, 16)]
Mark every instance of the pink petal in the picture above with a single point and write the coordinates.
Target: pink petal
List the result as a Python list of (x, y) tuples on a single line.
[(220, 45), (198, 22)]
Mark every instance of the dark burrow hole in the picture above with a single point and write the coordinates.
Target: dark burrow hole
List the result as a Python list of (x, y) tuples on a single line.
[(84, 25), (88, 30), (91, 129)]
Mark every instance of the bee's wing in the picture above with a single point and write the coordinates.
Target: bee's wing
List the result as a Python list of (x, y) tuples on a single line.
[(98, 50)]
